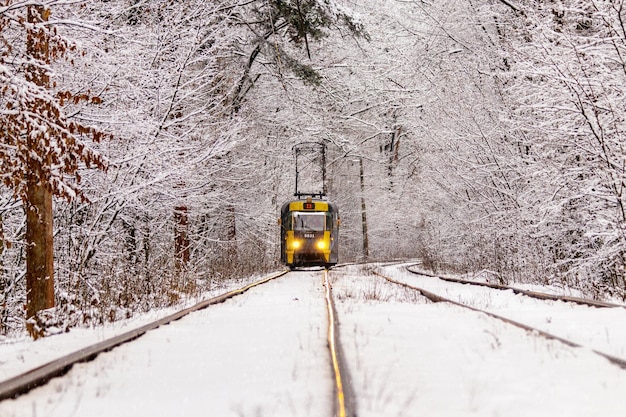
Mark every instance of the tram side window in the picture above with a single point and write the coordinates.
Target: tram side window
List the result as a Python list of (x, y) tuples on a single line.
[(287, 222), (308, 221), (329, 221)]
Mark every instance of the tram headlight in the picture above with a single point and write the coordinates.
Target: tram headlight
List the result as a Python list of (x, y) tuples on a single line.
[(321, 245), (296, 244)]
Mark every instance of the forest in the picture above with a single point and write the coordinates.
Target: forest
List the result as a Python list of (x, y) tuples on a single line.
[(477, 136)]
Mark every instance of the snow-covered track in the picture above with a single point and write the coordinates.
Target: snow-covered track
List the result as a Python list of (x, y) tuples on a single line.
[(528, 293), (23, 383), (345, 399), (438, 298)]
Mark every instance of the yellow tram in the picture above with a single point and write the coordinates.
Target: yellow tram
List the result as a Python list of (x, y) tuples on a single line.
[(309, 232)]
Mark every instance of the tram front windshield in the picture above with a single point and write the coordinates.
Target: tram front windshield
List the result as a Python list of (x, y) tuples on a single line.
[(308, 221)]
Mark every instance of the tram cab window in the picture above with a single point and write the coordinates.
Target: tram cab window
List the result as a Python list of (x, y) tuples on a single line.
[(308, 221)]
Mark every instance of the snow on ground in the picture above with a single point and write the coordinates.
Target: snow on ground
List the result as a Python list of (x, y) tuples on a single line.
[(265, 354), (21, 354), (596, 328), (410, 357), (260, 354)]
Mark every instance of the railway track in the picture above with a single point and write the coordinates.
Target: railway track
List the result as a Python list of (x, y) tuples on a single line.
[(344, 398), (532, 294), (25, 382), (436, 298), (375, 360), (414, 349)]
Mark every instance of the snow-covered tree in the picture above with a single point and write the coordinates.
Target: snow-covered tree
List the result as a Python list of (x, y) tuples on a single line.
[(41, 146), (569, 66)]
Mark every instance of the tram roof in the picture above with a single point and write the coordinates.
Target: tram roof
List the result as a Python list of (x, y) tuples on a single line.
[(311, 205)]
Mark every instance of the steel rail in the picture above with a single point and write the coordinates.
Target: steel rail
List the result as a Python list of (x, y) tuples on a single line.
[(528, 293), (345, 404), (438, 299), (21, 384)]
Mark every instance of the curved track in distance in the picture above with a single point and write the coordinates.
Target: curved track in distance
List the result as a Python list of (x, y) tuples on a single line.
[(528, 293)]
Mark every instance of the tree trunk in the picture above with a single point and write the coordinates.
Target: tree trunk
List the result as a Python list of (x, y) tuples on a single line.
[(39, 246), (231, 235), (2, 276), (366, 250), (181, 238), (39, 250)]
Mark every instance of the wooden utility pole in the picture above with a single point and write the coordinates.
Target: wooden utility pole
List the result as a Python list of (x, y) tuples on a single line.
[(38, 204)]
